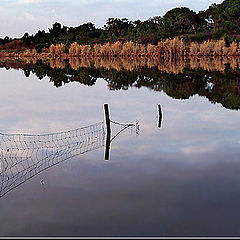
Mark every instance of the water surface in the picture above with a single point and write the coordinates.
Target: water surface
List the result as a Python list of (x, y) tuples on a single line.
[(181, 179)]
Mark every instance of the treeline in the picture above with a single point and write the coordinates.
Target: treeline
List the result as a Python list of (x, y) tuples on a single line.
[(218, 21)]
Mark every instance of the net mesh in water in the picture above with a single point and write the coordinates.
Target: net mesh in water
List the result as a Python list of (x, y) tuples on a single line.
[(23, 155)]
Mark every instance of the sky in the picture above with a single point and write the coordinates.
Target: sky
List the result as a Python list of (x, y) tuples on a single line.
[(20, 16)]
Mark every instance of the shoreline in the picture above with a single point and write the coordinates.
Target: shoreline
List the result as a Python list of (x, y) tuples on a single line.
[(175, 66)]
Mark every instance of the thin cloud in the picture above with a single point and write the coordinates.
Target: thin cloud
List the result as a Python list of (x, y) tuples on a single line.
[(31, 1), (19, 16)]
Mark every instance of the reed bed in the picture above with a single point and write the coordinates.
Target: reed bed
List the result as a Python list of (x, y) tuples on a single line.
[(57, 51), (172, 47), (214, 48), (169, 48)]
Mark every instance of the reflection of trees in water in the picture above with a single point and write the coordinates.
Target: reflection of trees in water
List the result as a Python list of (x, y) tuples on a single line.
[(218, 86)]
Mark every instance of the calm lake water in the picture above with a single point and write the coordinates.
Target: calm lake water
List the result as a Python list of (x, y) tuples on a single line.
[(178, 179)]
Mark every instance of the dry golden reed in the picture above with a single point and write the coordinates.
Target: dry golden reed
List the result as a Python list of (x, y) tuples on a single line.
[(214, 48), (57, 51), (234, 49), (169, 48)]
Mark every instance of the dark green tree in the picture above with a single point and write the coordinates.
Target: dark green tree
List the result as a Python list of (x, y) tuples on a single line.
[(102, 38)]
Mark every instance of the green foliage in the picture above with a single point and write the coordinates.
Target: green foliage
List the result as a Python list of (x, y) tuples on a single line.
[(26, 38), (82, 37), (227, 15), (219, 33), (39, 47), (102, 38), (180, 21), (228, 40), (67, 46), (113, 38), (56, 29), (201, 37), (117, 26)]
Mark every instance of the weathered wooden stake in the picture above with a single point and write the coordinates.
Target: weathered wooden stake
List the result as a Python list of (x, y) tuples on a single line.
[(107, 118), (160, 116)]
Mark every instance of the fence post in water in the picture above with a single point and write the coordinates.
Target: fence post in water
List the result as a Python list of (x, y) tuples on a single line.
[(160, 116), (107, 118)]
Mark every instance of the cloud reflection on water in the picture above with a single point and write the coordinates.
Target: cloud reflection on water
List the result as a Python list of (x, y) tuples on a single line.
[(182, 179)]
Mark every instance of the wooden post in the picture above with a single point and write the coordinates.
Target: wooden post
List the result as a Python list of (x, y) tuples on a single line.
[(160, 116), (107, 118)]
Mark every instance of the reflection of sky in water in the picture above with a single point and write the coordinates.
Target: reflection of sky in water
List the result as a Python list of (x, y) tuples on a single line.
[(182, 179)]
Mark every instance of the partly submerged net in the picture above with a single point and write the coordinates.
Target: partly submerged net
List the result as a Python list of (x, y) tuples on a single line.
[(24, 155)]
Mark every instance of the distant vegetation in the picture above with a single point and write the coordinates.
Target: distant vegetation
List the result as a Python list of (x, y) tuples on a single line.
[(219, 21)]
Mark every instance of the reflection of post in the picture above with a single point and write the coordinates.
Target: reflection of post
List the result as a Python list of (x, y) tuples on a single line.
[(160, 116), (107, 117)]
